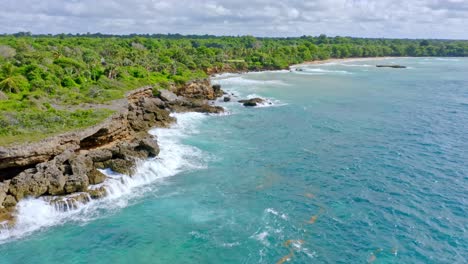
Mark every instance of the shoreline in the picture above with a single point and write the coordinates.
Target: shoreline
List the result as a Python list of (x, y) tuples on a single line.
[(305, 63), (334, 60), (66, 169)]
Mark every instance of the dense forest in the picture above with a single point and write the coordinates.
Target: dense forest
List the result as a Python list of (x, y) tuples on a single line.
[(42, 75)]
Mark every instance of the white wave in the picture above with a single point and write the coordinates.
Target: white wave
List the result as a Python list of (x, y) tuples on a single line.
[(274, 212), (262, 237), (36, 214), (241, 81), (320, 71), (224, 75), (446, 59), (262, 72), (357, 65)]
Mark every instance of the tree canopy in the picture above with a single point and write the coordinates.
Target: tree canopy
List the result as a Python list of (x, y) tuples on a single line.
[(40, 71)]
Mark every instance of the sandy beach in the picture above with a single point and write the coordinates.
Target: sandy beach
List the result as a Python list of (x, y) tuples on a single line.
[(342, 60)]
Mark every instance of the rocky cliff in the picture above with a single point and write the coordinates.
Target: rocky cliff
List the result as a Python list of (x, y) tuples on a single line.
[(69, 163)]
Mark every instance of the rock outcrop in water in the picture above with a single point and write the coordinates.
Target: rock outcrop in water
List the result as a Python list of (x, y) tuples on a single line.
[(252, 102), (395, 66), (68, 163)]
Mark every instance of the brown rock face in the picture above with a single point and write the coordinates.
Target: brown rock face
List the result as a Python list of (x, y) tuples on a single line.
[(200, 90), (121, 166), (76, 183), (96, 177), (4, 186)]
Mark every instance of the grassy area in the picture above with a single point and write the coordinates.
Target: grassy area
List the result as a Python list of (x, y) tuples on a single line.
[(30, 126)]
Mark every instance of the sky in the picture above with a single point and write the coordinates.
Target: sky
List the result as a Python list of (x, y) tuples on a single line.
[(446, 19)]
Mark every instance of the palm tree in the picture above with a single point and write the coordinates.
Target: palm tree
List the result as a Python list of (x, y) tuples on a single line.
[(8, 84)]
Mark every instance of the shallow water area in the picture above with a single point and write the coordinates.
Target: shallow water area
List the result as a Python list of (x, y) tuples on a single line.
[(350, 163)]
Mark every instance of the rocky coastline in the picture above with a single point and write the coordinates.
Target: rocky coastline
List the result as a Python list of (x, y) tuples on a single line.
[(64, 169)]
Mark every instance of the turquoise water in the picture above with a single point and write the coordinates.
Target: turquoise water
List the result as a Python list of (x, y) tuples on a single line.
[(350, 164)]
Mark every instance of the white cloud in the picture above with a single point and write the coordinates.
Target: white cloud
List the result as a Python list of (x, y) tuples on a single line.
[(366, 18)]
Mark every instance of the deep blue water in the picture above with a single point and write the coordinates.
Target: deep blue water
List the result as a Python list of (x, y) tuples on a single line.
[(351, 164)]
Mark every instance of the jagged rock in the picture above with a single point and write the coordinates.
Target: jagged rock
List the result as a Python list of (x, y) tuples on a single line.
[(148, 145), (151, 105), (81, 164), (9, 201), (168, 96), (163, 117), (96, 177), (99, 155), (208, 109), (252, 102), (227, 98), (29, 183), (121, 166), (129, 150), (200, 89), (4, 186), (217, 90), (76, 183), (55, 176), (98, 193)]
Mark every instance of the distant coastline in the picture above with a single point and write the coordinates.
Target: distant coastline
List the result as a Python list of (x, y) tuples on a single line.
[(343, 60)]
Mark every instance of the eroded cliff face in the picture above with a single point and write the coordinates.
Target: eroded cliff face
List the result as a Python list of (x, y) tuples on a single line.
[(69, 163)]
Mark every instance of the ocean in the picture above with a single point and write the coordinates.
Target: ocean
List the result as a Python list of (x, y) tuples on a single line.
[(344, 163)]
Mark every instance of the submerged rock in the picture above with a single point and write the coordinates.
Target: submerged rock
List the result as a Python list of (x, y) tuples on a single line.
[(252, 102), (227, 99)]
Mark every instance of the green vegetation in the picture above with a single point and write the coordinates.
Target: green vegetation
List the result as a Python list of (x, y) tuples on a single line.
[(43, 71)]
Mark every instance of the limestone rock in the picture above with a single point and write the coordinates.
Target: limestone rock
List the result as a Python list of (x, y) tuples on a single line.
[(4, 186), (9, 201), (76, 183), (149, 145), (121, 166), (99, 155), (29, 183), (96, 177), (200, 89), (81, 164), (168, 96), (151, 105)]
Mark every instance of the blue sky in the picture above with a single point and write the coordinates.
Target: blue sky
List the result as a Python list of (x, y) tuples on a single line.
[(364, 18)]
